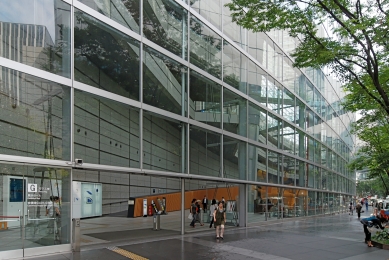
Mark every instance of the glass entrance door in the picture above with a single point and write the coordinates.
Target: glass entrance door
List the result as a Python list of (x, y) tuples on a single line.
[(35, 211), (13, 198)]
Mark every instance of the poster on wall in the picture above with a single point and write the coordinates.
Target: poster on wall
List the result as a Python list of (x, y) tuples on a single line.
[(88, 199)]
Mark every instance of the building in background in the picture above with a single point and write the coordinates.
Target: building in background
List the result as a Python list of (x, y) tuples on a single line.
[(159, 99)]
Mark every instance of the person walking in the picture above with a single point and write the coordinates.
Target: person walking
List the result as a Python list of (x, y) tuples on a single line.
[(351, 208), (359, 209), (367, 205), (198, 216), (373, 221), (219, 217), (205, 204), (212, 209), (193, 209)]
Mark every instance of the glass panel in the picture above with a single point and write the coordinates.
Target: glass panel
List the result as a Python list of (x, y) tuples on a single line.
[(164, 23), (234, 113), (13, 207), (234, 68), (293, 207), (204, 100), (289, 170), (311, 203), (258, 205), (288, 138), (164, 144), (275, 199), (231, 29), (105, 58), (105, 131), (35, 116), (164, 81), (36, 33), (48, 212), (209, 9), (274, 167), (274, 128), (300, 174), (234, 159), (257, 164), (257, 83), (319, 203), (205, 48), (274, 96), (311, 176), (125, 12), (288, 106), (204, 152), (257, 123)]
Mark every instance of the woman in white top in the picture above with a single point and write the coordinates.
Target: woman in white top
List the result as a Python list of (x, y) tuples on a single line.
[(212, 208)]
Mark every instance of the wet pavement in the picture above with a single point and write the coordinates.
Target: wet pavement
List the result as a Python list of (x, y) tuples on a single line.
[(326, 237)]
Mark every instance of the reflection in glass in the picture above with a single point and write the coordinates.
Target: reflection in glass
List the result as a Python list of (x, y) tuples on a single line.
[(234, 68), (125, 12), (164, 81), (257, 123), (274, 167), (257, 83), (205, 48), (163, 144), (232, 29), (105, 58), (288, 138), (209, 9), (42, 225), (36, 33), (35, 116), (274, 128), (274, 96), (234, 113), (205, 100), (258, 205), (289, 170), (257, 170), (275, 199), (234, 158), (204, 152), (164, 23), (106, 131), (311, 203)]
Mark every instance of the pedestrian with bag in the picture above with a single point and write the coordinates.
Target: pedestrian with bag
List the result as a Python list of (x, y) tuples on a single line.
[(369, 223), (212, 209), (219, 217)]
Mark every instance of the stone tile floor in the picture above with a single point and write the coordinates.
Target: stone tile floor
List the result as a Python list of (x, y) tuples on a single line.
[(314, 238)]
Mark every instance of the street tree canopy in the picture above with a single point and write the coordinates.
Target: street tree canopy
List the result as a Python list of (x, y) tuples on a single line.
[(356, 49)]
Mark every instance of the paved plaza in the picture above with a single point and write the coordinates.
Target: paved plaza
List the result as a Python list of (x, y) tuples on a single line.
[(337, 236)]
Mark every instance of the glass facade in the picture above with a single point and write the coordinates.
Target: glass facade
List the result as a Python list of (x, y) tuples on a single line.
[(171, 89)]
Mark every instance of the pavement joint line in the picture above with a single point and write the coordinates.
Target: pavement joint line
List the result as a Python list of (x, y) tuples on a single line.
[(126, 253)]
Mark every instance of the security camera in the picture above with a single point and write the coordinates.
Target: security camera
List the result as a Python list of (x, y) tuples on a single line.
[(78, 161)]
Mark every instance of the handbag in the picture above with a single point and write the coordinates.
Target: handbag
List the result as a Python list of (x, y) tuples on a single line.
[(190, 216)]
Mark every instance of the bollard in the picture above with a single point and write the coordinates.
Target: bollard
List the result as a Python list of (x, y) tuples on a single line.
[(76, 234), (156, 222)]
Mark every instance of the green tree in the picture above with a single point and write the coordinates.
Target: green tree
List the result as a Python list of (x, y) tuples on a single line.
[(355, 49)]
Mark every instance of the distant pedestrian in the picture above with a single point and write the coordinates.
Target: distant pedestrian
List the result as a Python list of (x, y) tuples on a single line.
[(193, 209), (219, 217), (198, 215), (351, 208), (205, 203), (212, 209), (367, 205), (359, 209)]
